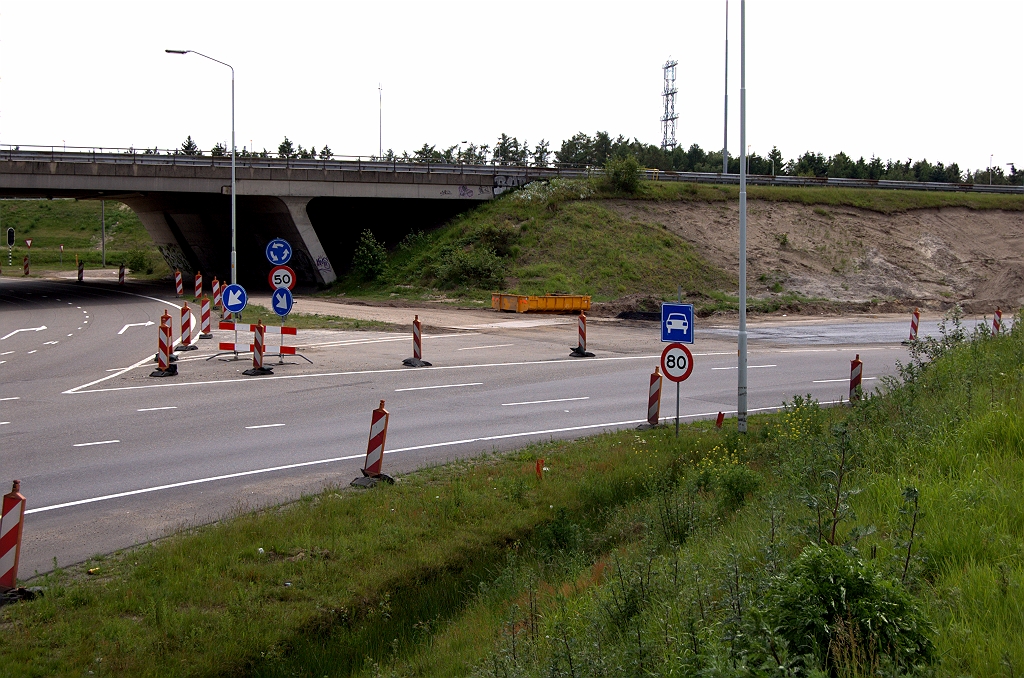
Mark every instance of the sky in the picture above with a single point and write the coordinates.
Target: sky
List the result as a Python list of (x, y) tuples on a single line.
[(895, 79)]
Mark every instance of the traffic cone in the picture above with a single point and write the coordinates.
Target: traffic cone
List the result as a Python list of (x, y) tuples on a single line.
[(581, 348), (216, 292), (164, 366), (204, 319), (914, 321), (199, 285), (179, 290), (653, 401), (186, 330), (417, 346), (375, 450)]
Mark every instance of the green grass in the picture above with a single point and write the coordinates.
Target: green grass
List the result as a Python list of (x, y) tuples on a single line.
[(658, 555), (315, 321), (76, 225)]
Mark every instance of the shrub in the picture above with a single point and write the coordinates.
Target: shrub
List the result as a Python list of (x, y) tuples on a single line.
[(370, 260), (501, 238), (138, 261), (479, 267), (623, 174), (736, 483), (835, 608)]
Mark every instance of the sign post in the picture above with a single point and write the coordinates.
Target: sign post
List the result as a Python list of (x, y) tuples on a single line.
[(10, 245), (677, 364), (281, 277)]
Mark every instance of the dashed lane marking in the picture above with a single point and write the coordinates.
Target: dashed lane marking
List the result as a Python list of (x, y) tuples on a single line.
[(12, 398), (538, 402), (265, 426), (476, 348), (4, 422), (830, 381), (98, 442), (427, 388), (154, 409), (736, 367)]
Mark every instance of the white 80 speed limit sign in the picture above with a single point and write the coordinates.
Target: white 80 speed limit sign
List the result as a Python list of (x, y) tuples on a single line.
[(676, 362), (281, 277)]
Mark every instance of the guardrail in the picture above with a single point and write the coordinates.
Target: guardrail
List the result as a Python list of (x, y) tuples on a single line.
[(355, 163)]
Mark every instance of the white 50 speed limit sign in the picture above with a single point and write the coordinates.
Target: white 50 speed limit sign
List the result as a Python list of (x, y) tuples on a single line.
[(281, 277), (676, 362)]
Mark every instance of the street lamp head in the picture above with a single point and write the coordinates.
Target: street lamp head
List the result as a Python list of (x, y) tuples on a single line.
[(177, 51)]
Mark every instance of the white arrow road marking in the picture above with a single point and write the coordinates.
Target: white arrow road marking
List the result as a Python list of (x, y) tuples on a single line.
[(145, 324), (24, 329), (100, 442)]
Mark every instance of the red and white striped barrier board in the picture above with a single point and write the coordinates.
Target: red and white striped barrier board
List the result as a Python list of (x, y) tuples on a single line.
[(417, 338), (204, 318), (186, 325), (267, 329), (997, 321), (245, 348), (24, 265), (583, 332), (375, 446), (12, 521), (163, 352), (856, 370), (120, 275), (914, 320), (199, 285), (654, 398), (257, 349), (216, 292), (179, 290), (81, 271)]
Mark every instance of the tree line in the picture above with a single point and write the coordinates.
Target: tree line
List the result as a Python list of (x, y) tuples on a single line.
[(583, 150)]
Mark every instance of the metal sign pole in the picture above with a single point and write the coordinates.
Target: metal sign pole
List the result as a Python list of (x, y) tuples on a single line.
[(677, 409)]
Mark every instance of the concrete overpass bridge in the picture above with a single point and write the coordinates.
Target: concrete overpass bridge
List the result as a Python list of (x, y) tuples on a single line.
[(320, 206)]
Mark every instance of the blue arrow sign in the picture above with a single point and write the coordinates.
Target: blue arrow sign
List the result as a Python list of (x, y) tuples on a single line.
[(279, 252), (282, 301), (677, 323), (234, 298)]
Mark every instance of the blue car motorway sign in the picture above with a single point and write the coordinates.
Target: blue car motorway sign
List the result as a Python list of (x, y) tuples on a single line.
[(234, 298), (677, 323), (282, 301), (279, 252)]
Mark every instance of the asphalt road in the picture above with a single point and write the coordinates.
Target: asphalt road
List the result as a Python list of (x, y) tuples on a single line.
[(110, 457)]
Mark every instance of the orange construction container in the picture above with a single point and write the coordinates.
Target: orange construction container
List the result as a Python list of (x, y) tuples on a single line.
[(549, 303)]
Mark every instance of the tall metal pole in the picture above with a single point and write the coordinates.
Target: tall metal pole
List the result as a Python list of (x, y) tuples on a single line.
[(234, 272), (380, 127), (103, 231), (741, 381), (725, 135)]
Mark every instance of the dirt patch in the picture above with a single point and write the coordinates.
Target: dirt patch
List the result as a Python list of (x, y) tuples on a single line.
[(931, 258)]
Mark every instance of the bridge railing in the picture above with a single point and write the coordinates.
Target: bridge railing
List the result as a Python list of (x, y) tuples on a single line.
[(360, 163)]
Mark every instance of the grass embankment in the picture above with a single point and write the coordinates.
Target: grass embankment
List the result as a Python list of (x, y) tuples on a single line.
[(885, 538), (315, 321), (564, 237), (76, 225)]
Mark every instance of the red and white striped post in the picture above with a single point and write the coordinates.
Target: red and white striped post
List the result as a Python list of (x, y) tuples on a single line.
[(856, 370), (417, 338), (997, 322), (204, 318), (12, 521), (654, 398), (375, 445), (216, 292), (258, 348), (120, 275), (915, 319), (164, 368), (24, 264), (199, 285), (81, 271), (179, 290), (583, 332), (186, 328)]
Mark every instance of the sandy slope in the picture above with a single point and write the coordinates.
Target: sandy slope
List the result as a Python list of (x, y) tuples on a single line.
[(928, 257)]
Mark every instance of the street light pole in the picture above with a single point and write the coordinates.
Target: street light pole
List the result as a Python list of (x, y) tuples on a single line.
[(725, 124), (991, 155), (234, 273), (741, 381)]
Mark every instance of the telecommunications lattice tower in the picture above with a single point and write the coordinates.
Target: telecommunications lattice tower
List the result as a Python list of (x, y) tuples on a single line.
[(668, 120)]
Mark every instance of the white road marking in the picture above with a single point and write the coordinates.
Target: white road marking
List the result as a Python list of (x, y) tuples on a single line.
[(538, 402), (145, 324), (100, 442), (153, 409), (4, 422), (12, 398), (7, 353), (50, 343), (71, 335), (24, 329), (382, 340), (425, 388), (474, 348), (736, 367), (33, 351), (829, 381), (265, 426), (287, 467)]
